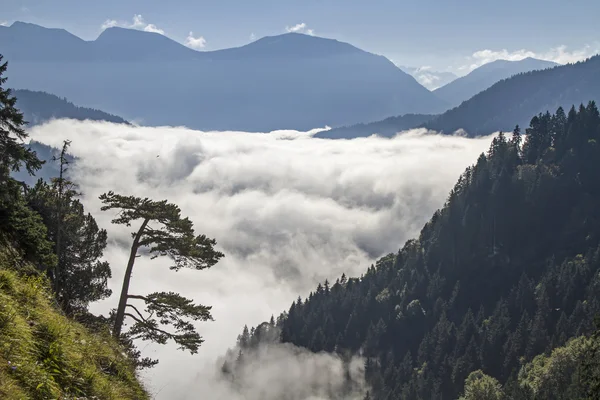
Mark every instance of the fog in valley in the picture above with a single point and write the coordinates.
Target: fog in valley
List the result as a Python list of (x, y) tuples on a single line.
[(287, 210)]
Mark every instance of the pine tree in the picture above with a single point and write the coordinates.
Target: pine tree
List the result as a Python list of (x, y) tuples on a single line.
[(22, 226), (163, 232), (13, 154)]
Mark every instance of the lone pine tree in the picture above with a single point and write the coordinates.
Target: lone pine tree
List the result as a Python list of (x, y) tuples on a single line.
[(163, 232)]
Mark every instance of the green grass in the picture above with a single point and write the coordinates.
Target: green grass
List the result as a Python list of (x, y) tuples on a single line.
[(45, 355)]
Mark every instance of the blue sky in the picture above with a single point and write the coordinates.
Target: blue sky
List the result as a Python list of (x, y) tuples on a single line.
[(441, 34)]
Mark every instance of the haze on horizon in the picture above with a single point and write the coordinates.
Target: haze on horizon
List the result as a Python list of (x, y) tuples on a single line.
[(478, 34)]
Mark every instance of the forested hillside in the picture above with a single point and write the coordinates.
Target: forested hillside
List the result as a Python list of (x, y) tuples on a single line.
[(39, 107), (483, 77), (514, 100), (505, 272)]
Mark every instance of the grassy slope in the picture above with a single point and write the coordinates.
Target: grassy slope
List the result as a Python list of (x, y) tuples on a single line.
[(45, 355)]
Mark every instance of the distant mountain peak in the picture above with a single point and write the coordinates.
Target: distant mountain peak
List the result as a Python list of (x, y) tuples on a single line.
[(288, 81), (486, 75), (293, 44), (21, 27), (119, 32)]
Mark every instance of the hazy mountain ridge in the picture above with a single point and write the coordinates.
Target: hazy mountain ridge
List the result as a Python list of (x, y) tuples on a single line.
[(290, 81), (429, 78), (514, 100), (388, 127), (485, 76), (40, 107), (507, 103)]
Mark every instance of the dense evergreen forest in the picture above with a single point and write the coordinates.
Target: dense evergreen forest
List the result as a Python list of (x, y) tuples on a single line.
[(40, 107), (497, 296)]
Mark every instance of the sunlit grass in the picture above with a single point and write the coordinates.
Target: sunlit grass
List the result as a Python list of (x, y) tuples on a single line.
[(45, 355)]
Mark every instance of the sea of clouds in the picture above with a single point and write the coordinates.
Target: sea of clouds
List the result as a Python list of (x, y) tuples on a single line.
[(288, 211)]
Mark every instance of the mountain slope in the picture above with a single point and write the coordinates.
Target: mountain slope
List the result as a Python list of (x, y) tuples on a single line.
[(430, 79), (40, 107), (387, 128), (485, 76), (45, 355), (498, 276), (507, 103), (514, 100), (291, 81)]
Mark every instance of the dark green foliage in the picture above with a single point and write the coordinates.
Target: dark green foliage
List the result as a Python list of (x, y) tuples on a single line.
[(13, 155), (40, 107), (169, 309), (19, 225), (590, 365), (163, 232), (24, 229), (506, 271), (79, 277)]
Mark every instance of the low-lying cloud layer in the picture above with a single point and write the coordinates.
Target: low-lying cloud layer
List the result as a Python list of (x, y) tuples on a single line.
[(287, 210)]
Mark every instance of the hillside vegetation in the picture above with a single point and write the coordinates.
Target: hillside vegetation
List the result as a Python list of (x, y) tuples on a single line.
[(505, 272), (44, 354)]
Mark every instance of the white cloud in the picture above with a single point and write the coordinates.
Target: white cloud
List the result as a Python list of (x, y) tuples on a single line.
[(252, 37), (109, 23), (429, 78), (300, 28), (287, 210), (277, 372), (153, 28), (559, 54), (195, 42), (137, 22)]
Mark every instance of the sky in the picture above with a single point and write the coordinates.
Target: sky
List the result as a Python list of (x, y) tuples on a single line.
[(287, 210), (438, 34)]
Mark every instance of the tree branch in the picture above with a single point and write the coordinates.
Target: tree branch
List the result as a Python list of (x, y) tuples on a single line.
[(133, 296), (136, 319), (169, 334), (137, 311)]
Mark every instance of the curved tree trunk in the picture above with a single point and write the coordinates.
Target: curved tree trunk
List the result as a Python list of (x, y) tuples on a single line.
[(125, 289)]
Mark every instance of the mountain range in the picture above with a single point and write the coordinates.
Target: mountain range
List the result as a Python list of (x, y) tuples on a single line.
[(506, 103), (513, 101), (485, 76), (290, 81), (429, 78)]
